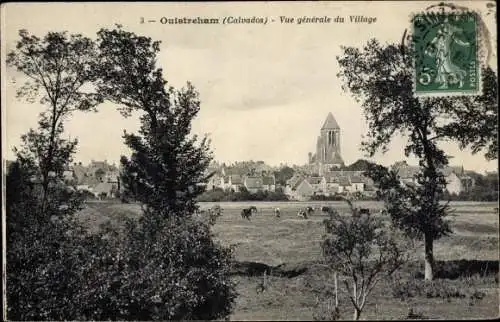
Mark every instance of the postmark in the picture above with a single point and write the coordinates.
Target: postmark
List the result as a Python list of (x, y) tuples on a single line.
[(446, 47)]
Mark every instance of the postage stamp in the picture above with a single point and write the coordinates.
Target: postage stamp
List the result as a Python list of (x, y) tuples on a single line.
[(446, 54)]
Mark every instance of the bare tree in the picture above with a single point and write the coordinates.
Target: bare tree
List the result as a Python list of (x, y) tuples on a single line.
[(363, 250)]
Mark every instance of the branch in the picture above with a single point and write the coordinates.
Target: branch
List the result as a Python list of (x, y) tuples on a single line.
[(42, 79)]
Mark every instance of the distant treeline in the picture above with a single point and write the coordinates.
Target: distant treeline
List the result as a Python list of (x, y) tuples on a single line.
[(218, 195)]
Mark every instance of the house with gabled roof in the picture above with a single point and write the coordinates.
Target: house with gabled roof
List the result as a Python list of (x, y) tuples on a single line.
[(332, 185), (357, 183), (106, 189), (292, 184), (235, 182), (456, 178), (344, 184), (318, 184), (254, 183), (269, 183), (303, 191)]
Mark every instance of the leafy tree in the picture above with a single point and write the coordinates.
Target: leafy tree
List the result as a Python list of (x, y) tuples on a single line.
[(361, 249), (42, 250), (167, 171), (283, 174), (58, 69), (380, 78), (359, 165), (475, 120), (99, 174)]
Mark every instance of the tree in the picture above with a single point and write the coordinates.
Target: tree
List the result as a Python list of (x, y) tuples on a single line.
[(167, 170), (359, 165), (363, 250), (283, 174), (380, 78), (58, 68), (99, 174), (43, 250)]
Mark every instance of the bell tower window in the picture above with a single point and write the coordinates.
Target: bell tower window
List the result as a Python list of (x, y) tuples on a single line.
[(331, 138)]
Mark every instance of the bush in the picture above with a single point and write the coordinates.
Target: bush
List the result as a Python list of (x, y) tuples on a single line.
[(184, 274), (218, 195), (46, 251), (432, 289)]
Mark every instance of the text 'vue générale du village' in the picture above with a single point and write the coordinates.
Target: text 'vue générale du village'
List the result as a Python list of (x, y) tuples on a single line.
[(229, 20)]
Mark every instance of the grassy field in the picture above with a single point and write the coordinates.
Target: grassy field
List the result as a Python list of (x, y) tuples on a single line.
[(296, 241)]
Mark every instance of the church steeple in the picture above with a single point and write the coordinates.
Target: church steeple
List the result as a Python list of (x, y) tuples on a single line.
[(330, 123), (328, 145)]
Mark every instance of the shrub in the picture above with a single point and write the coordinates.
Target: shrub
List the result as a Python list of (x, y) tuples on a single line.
[(183, 274), (362, 249), (443, 289)]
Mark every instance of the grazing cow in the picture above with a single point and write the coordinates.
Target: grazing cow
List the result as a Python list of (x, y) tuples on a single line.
[(302, 213), (326, 209), (309, 210), (277, 212), (247, 212)]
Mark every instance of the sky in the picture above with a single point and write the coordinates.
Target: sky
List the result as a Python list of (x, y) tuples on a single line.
[(265, 90)]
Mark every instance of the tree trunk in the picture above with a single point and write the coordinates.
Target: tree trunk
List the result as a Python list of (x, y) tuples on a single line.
[(429, 258), (357, 314)]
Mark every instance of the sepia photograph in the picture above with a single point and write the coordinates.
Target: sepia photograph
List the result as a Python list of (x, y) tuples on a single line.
[(241, 161)]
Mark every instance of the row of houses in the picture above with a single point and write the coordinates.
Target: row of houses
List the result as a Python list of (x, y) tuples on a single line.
[(98, 177), (235, 182), (302, 187), (457, 179)]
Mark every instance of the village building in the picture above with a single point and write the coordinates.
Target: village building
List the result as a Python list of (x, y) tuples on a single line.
[(457, 180), (269, 183), (292, 185), (253, 183), (105, 190), (235, 182), (98, 177), (327, 154)]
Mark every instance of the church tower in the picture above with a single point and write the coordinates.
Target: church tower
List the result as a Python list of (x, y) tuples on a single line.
[(328, 144)]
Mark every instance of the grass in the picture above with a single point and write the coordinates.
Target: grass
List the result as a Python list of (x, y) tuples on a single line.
[(467, 261)]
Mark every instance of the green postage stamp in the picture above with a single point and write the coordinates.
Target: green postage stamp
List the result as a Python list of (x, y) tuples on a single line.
[(446, 54)]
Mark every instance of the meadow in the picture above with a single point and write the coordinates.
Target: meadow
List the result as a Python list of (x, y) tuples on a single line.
[(467, 262)]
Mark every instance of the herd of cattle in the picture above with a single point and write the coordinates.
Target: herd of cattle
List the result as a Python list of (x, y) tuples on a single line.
[(304, 213)]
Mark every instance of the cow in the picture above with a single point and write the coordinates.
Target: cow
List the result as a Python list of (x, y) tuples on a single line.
[(277, 212), (302, 213), (326, 209), (247, 212), (309, 210)]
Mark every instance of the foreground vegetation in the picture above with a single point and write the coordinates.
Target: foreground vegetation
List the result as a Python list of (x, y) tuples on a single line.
[(465, 286)]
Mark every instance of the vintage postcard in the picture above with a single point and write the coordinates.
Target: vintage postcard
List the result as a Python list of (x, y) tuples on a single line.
[(326, 160)]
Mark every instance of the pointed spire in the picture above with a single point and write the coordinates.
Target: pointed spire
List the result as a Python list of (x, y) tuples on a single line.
[(330, 123)]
